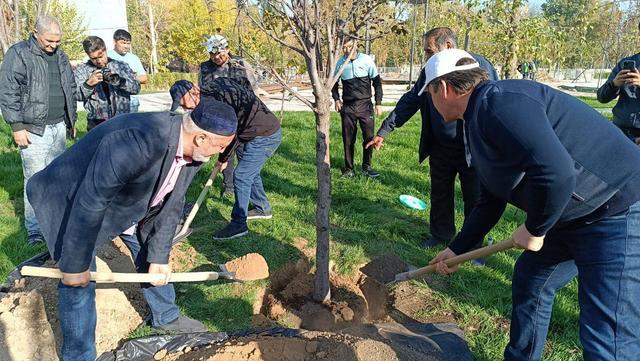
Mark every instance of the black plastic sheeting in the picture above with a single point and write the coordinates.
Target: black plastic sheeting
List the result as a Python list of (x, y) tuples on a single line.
[(437, 342), (146, 347), (37, 260)]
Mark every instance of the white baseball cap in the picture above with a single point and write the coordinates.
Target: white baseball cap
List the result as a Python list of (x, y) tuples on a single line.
[(444, 62)]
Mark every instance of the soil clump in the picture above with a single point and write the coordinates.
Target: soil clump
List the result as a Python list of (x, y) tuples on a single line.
[(29, 325), (249, 267)]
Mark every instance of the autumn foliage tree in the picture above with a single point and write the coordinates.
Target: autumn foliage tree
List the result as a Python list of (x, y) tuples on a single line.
[(316, 31)]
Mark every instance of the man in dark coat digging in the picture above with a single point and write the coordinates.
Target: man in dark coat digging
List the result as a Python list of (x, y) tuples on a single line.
[(132, 170)]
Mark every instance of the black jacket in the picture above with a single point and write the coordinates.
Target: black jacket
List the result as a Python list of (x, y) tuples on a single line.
[(626, 112), (236, 68), (411, 102), (534, 147), (105, 183), (24, 87), (254, 118)]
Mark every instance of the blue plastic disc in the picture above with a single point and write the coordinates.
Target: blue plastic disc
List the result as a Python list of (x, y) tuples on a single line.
[(413, 202)]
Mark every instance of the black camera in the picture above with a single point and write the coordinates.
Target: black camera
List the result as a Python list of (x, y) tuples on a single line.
[(110, 77)]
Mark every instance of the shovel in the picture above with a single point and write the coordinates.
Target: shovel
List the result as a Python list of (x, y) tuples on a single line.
[(250, 267), (389, 268), (453, 261), (185, 231)]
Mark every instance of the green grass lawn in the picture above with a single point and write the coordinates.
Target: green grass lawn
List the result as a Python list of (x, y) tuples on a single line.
[(367, 220)]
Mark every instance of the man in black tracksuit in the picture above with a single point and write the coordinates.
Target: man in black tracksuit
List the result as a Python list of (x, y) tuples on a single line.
[(355, 107), (442, 141), (534, 147)]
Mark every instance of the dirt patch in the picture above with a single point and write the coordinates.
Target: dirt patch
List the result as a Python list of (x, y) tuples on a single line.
[(29, 325), (418, 303), (249, 267), (289, 300), (384, 268), (323, 346)]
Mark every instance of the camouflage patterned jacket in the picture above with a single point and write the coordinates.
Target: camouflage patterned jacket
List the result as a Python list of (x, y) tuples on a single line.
[(104, 101)]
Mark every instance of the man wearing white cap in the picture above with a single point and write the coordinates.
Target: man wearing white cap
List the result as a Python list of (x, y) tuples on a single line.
[(440, 141), (222, 63), (533, 147)]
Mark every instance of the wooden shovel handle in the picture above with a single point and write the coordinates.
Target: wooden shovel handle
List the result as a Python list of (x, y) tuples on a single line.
[(196, 206), (453, 261), (109, 277)]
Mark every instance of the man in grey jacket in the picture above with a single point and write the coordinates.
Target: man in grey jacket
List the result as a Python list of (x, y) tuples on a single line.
[(37, 99)]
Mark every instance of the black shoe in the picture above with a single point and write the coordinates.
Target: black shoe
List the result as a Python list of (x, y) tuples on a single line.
[(348, 173), (370, 173), (35, 239), (227, 193), (256, 214), (182, 324), (480, 262), (231, 231), (432, 242)]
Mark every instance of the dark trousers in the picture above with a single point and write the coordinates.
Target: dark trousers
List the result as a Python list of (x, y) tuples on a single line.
[(605, 256), (92, 123), (444, 165), (227, 173), (352, 114)]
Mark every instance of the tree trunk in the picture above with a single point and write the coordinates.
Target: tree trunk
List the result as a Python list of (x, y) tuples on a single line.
[(17, 21), (154, 45), (511, 62), (322, 289), (4, 35)]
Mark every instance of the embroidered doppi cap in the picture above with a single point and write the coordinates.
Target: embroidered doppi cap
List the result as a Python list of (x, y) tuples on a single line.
[(178, 90), (215, 117), (443, 63), (215, 43)]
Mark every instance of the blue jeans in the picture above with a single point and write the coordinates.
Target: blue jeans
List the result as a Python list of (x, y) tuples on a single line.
[(77, 308), (605, 255), (42, 151), (247, 181), (77, 313), (161, 300)]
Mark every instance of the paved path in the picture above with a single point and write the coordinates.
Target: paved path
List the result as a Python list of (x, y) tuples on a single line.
[(156, 102)]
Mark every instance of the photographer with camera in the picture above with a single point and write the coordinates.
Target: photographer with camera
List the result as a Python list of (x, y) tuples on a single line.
[(623, 84), (105, 85)]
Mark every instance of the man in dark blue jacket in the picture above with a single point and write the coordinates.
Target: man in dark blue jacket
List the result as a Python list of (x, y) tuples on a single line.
[(624, 84), (132, 170), (534, 147), (441, 140)]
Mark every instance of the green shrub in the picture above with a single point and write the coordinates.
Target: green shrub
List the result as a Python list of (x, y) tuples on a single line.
[(161, 82)]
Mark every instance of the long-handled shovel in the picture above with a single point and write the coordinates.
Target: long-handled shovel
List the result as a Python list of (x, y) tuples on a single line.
[(185, 231), (453, 261), (389, 268), (249, 267)]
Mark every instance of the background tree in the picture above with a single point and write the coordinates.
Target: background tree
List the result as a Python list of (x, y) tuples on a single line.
[(316, 30), (19, 17)]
